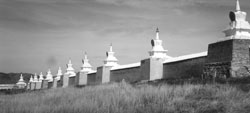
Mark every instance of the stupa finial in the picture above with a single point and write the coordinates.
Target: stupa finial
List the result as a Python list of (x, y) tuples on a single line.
[(70, 60), (110, 47), (157, 34), (85, 55), (237, 5), (157, 29)]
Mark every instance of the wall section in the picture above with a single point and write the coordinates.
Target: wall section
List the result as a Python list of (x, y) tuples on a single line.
[(188, 68), (72, 81), (91, 79), (131, 75)]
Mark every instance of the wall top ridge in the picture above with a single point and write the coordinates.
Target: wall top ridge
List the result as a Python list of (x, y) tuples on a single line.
[(126, 66), (92, 71), (186, 57)]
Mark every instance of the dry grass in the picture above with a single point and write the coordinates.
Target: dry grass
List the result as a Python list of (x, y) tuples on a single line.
[(123, 98)]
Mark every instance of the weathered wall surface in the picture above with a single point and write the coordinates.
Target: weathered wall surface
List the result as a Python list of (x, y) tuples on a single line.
[(228, 58), (91, 79), (72, 81), (59, 82), (128, 74), (50, 84), (184, 69), (220, 52), (145, 69), (241, 58)]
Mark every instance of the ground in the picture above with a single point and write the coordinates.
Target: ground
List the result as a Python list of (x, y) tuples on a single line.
[(125, 98)]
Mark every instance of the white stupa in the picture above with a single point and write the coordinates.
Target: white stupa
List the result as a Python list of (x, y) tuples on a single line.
[(70, 70), (49, 76), (86, 67), (157, 49), (21, 81), (41, 77), (59, 73), (238, 28), (35, 78), (31, 79), (111, 60)]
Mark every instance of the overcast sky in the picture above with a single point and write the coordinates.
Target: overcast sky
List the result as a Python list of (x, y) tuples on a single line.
[(41, 34)]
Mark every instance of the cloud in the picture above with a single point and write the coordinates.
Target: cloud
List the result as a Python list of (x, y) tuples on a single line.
[(170, 3)]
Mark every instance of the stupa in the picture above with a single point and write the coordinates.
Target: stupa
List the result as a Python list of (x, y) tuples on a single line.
[(86, 67), (111, 60), (21, 82), (70, 70), (157, 49)]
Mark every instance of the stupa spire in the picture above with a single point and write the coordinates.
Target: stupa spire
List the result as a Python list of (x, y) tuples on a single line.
[(110, 48), (59, 72), (85, 55), (70, 66), (49, 76), (35, 78), (237, 5), (41, 76), (70, 61), (157, 34), (21, 78), (31, 79)]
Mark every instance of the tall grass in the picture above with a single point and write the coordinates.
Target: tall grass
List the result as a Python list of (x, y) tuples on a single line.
[(124, 98)]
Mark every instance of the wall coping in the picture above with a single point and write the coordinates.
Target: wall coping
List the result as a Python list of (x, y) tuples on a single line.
[(186, 57), (91, 72), (126, 66)]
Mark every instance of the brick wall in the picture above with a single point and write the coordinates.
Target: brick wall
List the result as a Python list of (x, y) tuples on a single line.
[(184, 69), (72, 81), (228, 58), (145, 69), (128, 74), (50, 84), (91, 79)]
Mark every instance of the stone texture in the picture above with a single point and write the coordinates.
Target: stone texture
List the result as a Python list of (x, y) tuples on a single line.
[(228, 58)]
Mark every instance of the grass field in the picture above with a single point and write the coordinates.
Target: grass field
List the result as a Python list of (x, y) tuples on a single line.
[(124, 98)]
